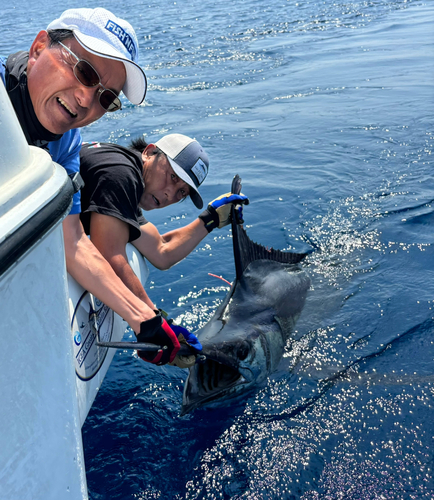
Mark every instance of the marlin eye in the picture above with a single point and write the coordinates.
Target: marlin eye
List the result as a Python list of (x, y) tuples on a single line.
[(243, 351)]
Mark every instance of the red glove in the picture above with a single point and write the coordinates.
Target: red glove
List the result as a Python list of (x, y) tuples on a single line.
[(157, 331)]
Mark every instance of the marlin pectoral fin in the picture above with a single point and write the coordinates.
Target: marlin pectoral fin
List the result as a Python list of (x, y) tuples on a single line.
[(287, 324)]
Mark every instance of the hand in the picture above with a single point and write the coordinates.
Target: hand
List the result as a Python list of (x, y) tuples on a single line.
[(157, 331), (183, 334), (218, 212), (185, 337)]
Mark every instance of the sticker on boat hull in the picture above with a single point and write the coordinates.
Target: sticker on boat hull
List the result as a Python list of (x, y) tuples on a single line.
[(91, 317)]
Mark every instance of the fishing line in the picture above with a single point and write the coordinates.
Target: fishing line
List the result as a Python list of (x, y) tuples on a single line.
[(220, 278)]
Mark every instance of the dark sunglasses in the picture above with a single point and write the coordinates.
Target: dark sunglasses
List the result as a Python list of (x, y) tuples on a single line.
[(86, 74)]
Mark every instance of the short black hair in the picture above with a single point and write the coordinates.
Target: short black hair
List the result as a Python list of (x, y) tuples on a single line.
[(57, 36), (138, 144)]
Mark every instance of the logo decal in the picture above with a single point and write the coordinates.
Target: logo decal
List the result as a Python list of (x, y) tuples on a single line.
[(200, 170), (90, 321), (123, 36)]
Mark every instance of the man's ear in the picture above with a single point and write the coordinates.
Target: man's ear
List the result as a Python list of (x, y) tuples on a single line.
[(150, 150), (41, 42)]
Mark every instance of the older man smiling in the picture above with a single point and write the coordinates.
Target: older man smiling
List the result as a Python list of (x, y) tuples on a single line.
[(72, 75), (122, 181)]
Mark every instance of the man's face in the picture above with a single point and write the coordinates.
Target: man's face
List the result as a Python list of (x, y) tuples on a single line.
[(162, 186), (60, 101)]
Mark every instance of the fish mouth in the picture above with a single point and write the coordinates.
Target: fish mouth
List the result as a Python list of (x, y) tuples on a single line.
[(211, 381)]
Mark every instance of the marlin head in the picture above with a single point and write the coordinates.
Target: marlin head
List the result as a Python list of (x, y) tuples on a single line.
[(245, 339)]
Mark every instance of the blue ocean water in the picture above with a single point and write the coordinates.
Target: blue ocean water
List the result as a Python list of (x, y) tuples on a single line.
[(325, 109)]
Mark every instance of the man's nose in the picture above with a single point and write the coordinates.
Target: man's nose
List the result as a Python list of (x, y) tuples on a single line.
[(86, 96), (171, 192)]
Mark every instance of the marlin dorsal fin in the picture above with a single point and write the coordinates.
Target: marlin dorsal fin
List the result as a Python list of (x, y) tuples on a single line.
[(246, 250)]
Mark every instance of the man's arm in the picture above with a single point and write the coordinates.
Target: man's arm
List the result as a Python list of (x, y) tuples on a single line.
[(164, 251), (89, 268), (110, 236)]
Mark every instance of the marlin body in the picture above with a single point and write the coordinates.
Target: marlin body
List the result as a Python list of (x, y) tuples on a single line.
[(244, 341)]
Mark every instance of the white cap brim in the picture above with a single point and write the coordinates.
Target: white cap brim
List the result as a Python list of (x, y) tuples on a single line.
[(135, 83)]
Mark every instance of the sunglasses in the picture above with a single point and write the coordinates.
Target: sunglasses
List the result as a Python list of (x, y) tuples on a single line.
[(86, 74)]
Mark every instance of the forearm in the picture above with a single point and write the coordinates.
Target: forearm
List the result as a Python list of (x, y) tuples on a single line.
[(179, 243), (123, 269), (173, 246), (89, 268)]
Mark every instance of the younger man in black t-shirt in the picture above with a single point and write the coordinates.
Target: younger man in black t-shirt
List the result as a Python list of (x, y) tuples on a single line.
[(120, 181)]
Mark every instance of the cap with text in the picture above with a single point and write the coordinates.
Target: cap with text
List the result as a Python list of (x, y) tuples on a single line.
[(103, 34), (189, 161)]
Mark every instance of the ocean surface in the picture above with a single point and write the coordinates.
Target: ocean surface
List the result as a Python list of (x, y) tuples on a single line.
[(326, 111)]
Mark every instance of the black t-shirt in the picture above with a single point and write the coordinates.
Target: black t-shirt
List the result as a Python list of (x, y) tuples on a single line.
[(113, 184)]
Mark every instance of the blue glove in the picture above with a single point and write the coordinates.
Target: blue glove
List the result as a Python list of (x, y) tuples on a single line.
[(218, 212), (184, 337), (189, 337)]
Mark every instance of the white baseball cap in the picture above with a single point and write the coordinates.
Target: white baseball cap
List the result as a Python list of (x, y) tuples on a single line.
[(189, 161), (102, 33)]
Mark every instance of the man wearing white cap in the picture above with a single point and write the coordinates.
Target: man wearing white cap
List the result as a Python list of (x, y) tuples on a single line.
[(72, 75), (121, 181)]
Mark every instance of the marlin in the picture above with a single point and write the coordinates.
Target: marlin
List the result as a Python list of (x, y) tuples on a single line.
[(244, 341)]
